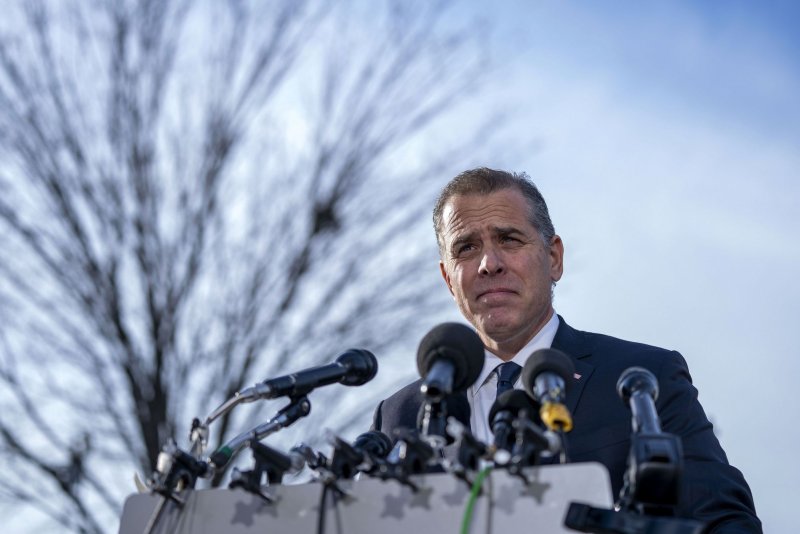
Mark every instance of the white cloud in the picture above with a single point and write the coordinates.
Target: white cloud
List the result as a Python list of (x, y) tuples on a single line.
[(666, 144)]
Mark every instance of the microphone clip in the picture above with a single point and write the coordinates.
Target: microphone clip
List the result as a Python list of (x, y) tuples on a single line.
[(469, 452), (409, 456), (432, 422), (270, 464), (529, 444), (655, 466), (176, 471)]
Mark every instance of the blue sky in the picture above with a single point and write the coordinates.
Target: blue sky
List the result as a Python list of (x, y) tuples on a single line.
[(665, 138)]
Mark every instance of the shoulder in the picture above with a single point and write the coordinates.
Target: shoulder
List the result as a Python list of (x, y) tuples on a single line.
[(399, 409), (612, 352), (409, 394)]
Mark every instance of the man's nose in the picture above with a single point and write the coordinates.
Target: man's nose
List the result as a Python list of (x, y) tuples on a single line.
[(491, 262)]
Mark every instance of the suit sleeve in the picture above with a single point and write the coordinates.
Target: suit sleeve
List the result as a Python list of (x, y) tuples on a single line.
[(711, 489)]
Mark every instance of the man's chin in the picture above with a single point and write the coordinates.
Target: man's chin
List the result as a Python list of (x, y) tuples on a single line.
[(499, 331)]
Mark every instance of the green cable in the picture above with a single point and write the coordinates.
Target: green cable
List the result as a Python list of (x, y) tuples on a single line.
[(473, 496)]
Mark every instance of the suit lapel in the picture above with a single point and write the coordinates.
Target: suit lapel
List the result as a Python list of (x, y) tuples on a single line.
[(571, 342)]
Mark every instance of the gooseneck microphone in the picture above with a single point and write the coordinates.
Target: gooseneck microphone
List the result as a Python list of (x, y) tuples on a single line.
[(353, 367), (449, 360), (638, 389), (547, 376)]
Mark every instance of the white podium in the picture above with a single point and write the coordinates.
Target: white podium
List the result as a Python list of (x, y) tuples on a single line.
[(386, 507)]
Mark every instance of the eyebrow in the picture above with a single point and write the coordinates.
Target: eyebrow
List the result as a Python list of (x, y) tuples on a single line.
[(505, 230), (496, 230), (465, 238)]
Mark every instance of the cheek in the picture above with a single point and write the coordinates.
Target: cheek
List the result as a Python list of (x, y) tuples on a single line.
[(460, 285)]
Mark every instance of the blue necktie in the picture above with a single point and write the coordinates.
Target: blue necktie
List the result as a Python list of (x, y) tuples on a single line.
[(507, 374)]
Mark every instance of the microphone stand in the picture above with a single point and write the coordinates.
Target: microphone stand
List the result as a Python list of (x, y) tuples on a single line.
[(178, 471), (298, 407), (586, 518), (199, 433), (648, 497), (267, 461), (530, 442), (470, 450), (409, 456), (433, 423), (347, 460)]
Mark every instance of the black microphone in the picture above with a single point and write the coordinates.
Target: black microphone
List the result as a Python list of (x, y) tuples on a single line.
[(449, 359), (638, 389), (410, 454), (655, 461), (519, 439), (433, 416), (363, 455), (547, 376), (353, 367), (270, 462), (504, 411)]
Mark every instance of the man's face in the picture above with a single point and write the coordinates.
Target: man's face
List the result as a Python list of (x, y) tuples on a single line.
[(497, 267)]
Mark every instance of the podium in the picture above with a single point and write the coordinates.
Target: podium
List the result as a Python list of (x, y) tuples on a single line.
[(371, 506)]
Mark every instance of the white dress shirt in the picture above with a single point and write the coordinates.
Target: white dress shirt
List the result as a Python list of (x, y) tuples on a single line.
[(481, 395)]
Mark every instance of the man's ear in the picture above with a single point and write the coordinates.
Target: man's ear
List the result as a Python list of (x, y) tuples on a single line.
[(556, 258), (446, 277)]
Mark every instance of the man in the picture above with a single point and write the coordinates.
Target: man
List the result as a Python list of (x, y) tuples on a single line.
[(500, 259)]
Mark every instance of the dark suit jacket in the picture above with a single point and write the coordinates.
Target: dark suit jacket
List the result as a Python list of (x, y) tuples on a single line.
[(712, 490)]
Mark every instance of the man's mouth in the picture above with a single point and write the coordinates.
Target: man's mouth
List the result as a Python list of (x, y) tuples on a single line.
[(496, 291)]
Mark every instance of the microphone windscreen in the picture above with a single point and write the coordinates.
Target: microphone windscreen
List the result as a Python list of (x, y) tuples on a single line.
[(547, 360), (458, 344), (374, 443), (514, 401), (636, 379), (361, 365)]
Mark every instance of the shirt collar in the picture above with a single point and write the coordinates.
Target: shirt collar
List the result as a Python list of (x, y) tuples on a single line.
[(542, 340)]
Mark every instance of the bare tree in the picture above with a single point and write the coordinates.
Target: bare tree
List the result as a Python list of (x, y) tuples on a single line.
[(195, 196)]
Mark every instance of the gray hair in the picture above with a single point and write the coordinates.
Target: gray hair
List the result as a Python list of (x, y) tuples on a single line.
[(484, 181)]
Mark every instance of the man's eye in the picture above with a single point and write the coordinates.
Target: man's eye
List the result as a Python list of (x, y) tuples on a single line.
[(464, 248)]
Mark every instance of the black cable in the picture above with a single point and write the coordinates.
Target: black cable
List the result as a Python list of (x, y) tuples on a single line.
[(321, 515)]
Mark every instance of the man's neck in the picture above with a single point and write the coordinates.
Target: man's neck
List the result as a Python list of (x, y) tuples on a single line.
[(506, 349)]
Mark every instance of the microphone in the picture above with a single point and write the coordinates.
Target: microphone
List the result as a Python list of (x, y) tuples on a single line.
[(270, 462), (292, 463), (302, 454), (363, 455), (505, 410), (655, 462), (547, 376), (410, 455), (449, 359), (470, 449), (638, 389), (353, 367), (373, 443), (432, 418), (517, 438)]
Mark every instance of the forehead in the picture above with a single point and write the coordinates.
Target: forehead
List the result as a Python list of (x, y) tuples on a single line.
[(474, 212)]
